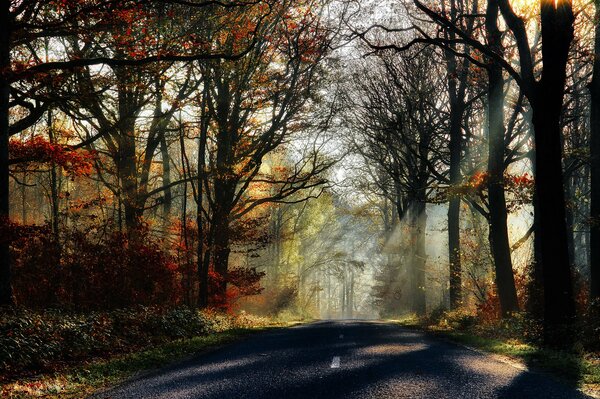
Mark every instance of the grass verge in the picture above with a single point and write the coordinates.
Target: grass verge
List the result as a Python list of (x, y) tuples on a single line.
[(581, 370), (81, 381)]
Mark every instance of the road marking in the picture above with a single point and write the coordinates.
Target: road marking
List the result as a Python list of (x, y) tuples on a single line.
[(341, 336), (335, 363)]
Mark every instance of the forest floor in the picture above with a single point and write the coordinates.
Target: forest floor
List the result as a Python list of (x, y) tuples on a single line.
[(578, 368), (83, 376)]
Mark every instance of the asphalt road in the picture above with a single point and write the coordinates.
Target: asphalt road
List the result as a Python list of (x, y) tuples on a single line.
[(343, 359)]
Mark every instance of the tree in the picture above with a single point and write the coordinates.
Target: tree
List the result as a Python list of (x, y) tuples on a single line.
[(545, 96), (595, 166), (253, 105), (25, 24), (399, 129), (457, 57), (499, 241), (546, 99)]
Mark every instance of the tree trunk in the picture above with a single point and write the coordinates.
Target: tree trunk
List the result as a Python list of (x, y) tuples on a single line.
[(221, 250), (6, 297), (454, 207), (129, 179), (204, 240), (457, 84), (536, 288), (54, 201), (535, 300), (498, 231), (595, 168), (454, 253), (559, 307), (166, 180), (420, 258), (570, 218), (558, 292)]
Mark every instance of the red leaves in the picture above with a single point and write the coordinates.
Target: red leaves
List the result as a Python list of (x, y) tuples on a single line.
[(41, 151), (11, 231), (88, 271), (488, 311), (518, 187), (523, 181), (241, 282), (479, 180), (246, 281)]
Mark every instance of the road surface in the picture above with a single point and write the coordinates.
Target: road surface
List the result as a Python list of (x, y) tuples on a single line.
[(343, 359)]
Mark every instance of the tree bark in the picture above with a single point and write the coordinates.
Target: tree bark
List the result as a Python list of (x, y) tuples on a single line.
[(221, 238), (454, 253), (127, 167), (166, 180), (559, 306), (53, 186), (595, 167), (204, 240), (6, 296), (420, 258), (498, 231), (456, 113)]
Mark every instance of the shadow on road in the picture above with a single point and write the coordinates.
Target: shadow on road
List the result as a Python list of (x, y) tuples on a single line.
[(377, 361)]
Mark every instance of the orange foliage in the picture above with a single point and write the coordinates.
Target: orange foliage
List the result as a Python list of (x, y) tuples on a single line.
[(39, 150), (87, 271), (488, 311)]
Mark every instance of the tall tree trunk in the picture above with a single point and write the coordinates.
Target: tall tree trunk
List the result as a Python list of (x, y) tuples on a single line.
[(127, 162), (457, 84), (454, 208), (129, 178), (6, 297), (204, 240), (184, 225), (221, 246), (559, 307), (53, 185), (166, 179), (419, 215), (595, 168), (558, 292), (570, 218), (498, 231), (535, 301)]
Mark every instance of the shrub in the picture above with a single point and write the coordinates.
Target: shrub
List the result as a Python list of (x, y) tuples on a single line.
[(591, 327), (460, 319), (40, 339), (89, 272), (436, 315)]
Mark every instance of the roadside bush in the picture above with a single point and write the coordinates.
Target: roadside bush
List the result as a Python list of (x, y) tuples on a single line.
[(436, 315), (459, 319), (591, 327), (91, 271), (34, 340)]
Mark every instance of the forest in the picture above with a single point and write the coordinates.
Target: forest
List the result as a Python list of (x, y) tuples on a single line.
[(179, 168)]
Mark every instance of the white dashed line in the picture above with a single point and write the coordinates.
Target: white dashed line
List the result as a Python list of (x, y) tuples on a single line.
[(335, 363)]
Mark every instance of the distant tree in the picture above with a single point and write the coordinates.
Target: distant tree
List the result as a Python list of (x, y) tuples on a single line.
[(457, 57), (399, 130)]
